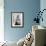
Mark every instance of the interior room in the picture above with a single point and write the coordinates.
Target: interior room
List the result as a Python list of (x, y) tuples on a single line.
[(23, 23)]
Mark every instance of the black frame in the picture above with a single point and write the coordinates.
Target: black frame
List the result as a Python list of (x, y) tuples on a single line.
[(22, 20)]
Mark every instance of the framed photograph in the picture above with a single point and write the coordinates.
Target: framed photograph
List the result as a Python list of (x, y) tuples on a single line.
[(17, 19)]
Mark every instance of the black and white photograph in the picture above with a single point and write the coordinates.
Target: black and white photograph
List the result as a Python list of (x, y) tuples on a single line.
[(17, 19)]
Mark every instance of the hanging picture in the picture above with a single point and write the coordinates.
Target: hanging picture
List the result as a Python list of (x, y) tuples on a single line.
[(17, 19)]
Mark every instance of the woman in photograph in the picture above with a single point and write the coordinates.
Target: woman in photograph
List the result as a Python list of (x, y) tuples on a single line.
[(18, 21)]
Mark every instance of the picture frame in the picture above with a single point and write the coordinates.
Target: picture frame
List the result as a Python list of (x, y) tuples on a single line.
[(17, 19)]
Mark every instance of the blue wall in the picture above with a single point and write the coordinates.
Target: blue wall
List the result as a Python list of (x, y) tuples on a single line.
[(29, 7)]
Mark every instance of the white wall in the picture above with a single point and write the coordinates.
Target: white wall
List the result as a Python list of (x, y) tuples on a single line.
[(1, 20), (43, 6)]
